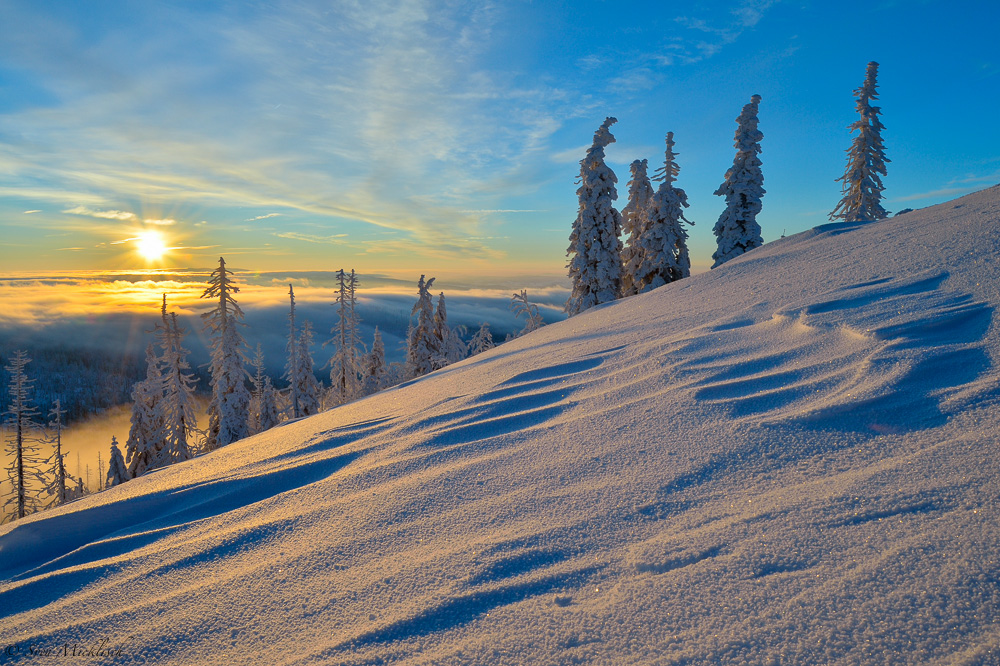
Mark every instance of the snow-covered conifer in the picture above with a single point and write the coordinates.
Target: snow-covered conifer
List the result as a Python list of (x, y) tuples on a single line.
[(422, 344), (482, 340), (227, 411), (345, 368), (147, 432), (862, 183), (661, 251), (449, 342), (57, 461), (634, 221), (376, 368), (520, 305), (595, 263), (25, 471), (264, 413), (178, 406), (293, 364), (310, 388), (737, 230), (117, 472)]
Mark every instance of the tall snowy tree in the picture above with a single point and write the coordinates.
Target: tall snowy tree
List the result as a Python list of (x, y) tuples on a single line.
[(449, 342), (520, 305), (310, 388), (293, 364), (422, 344), (737, 230), (58, 475), (634, 221), (862, 183), (264, 413), (376, 369), (661, 250), (482, 340), (345, 369), (117, 471), (595, 264), (227, 411), (147, 432), (179, 422), (25, 471)]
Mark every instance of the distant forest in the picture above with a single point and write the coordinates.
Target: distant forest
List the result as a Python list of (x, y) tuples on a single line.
[(87, 381)]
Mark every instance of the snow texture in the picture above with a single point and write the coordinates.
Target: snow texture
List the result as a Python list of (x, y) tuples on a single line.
[(862, 182), (791, 459), (736, 230)]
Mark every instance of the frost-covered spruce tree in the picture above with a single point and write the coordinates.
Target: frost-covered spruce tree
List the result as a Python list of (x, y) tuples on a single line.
[(595, 263), (310, 388), (482, 340), (264, 413), (634, 216), (520, 305), (452, 348), (147, 432), (737, 230), (179, 423), (422, 344), (304, 391), (376, 369), (117, 471), (25, 471), (862, 183), (293, 363), (57, 461), (661, 250), (344, 364), (227, 411)]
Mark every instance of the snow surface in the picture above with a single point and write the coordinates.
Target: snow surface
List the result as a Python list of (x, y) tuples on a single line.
[(791, 459)]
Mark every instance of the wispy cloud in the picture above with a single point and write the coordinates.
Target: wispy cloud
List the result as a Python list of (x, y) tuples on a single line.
[(387, 115), (956, 186), (501, 210), (31, 212), (103, 214), (334, 239), (943, 192), (262, 217), (715, 33)]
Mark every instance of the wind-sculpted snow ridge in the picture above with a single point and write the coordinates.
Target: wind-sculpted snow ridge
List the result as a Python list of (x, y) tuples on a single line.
[(789, 460)]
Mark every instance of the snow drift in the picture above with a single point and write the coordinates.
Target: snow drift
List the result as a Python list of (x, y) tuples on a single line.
[(789, 460)]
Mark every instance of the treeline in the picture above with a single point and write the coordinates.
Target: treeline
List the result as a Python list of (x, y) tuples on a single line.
[(163, 426), (84, 382), (603, 268)]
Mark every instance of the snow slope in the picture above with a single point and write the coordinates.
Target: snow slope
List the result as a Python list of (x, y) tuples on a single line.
[(789, 460)]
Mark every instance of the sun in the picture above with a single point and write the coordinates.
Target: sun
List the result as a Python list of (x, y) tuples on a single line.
[(151, 245)]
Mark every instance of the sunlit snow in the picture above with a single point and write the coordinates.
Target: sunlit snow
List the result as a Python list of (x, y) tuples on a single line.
[(791, 459)]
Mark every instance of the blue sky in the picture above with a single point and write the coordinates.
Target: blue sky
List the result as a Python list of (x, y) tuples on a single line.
[(414, 136)]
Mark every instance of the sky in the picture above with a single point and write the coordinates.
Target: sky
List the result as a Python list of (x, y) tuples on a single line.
[(443, 137)]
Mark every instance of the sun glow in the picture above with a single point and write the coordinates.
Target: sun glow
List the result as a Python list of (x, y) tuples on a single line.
[(151, 245)]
